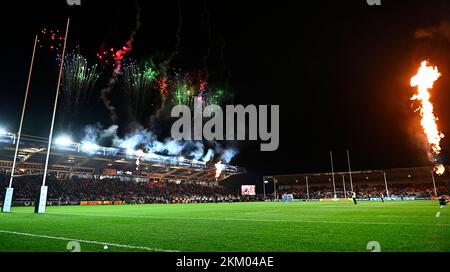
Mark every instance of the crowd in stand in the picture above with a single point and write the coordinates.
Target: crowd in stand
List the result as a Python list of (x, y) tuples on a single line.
[(77, 189), (370, 191)]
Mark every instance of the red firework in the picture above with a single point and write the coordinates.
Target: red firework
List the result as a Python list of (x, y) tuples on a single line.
[(113, 56), (163, 85), (50, 39)]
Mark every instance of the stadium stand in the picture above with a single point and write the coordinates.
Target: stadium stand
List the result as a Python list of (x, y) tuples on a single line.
[(75, 190), (407, 182), (368, 191)]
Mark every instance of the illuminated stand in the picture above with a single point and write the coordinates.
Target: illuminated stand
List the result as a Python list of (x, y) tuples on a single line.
[(42, 201), (6, 208)]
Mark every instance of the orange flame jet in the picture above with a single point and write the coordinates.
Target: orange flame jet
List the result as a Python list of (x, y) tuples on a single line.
[(424, 80)]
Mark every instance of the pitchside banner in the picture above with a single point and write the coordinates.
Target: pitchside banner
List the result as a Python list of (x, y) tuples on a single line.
[(248, 190), (334, 199), (92, 203)]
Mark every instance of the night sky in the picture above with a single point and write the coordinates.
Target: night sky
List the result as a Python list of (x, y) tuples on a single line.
[(339, 70)]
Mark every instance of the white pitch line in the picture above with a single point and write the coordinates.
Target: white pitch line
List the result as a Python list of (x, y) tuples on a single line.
[(260, 212), (402, 216), (85, 241), (260, 220)]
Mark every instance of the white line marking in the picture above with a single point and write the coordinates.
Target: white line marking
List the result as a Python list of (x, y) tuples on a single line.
[(259, 220), (402, 216), (438, 214), (260, 212), (84, 241)]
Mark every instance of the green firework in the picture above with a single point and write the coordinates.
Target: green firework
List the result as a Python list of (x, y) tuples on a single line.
[(136, 82), (77, 82)]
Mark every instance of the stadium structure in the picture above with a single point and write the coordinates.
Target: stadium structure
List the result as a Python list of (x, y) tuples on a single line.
[(91, 161), (341, 184)]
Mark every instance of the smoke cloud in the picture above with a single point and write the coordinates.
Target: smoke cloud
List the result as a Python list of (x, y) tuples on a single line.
[(143, 139), (442, 31)]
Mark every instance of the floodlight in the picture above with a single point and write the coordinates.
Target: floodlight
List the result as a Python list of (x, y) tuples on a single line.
[(63, 140)]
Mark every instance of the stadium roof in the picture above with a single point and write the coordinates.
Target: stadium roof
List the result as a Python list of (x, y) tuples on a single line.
[(77, 158)]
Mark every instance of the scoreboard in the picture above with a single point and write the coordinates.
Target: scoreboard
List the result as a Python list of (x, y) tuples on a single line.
[(248, 190)]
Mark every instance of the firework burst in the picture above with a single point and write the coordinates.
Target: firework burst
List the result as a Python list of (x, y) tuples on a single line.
[(51, 39), (78, 81), (137, 82), (184, 91)]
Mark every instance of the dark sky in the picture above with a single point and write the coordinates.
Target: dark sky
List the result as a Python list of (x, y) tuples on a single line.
[(339, 70)]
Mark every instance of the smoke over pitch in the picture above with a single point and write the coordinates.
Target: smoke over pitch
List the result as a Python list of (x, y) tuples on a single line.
[(145, 140)]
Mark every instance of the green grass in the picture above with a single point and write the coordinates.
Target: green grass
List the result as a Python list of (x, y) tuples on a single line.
[(297, 227)]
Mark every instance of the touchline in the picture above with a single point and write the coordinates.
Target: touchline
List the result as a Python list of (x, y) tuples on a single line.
[(234, 120)]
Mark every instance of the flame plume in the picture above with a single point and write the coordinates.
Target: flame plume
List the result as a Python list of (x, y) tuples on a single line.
[(424, 80), (219, 169)]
